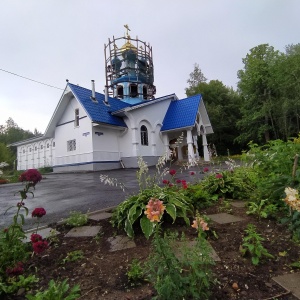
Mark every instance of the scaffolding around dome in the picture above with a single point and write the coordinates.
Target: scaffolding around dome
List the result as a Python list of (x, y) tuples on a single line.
[(129, 70)]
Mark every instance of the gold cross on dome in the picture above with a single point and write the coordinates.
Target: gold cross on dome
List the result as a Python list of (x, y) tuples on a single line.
[(127, 27)]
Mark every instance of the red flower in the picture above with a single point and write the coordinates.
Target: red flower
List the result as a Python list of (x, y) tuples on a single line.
[(5, 229), (178, 181), (31, 175), (40, 246), (171, 184), (183, 181), (38, 212), (35, 238), (184, 186), (219, 176), (172, 172), (17, 270), (192, 173), (205, 170), (165, 181)]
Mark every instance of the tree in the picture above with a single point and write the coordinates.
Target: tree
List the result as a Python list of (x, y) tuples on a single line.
[(256, 86), (222, 104), (196, 77)]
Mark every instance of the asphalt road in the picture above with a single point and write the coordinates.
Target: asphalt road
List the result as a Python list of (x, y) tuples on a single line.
[(59, 194)]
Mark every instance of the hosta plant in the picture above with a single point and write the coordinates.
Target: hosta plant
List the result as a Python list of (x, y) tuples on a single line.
[(132, 211)]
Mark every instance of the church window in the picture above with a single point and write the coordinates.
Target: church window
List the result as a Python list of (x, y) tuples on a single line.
[(76, 117), (23, 151), (42, 147), (133, 91), (48, 145), (144, 135), (53, 144), (120, 91), (29, 149), (145, 92), (35, 148), (71, 145)]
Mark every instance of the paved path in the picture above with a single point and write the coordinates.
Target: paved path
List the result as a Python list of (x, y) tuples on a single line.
[(61, 193)]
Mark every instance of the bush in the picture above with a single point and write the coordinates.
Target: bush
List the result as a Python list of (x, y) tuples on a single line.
[(238, 183), (128, 213)]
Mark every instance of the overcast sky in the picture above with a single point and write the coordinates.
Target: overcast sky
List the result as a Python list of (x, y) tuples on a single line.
[(54, 40)]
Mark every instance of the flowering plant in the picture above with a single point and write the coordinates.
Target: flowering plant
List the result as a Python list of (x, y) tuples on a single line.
[(38, 212), (12, 247)]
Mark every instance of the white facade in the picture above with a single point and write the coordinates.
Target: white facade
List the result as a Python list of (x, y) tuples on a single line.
[(74, 142)]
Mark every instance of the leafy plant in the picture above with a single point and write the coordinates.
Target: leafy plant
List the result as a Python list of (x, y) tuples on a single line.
[(77, 219), (129, 212), (186, 275), (262, 209), (238, 183), (73, 256), (57, 291), (135, 272), (252, 244), (199, 197), (15, 283)]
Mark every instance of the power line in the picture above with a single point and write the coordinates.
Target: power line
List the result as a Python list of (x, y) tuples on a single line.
[(32, 80)]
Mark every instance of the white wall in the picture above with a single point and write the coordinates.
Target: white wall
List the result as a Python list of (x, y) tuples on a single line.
[(66, 131), (36, 155)]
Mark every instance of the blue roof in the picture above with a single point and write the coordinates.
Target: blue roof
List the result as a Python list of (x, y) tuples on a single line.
[(99, 111), (182, 113)]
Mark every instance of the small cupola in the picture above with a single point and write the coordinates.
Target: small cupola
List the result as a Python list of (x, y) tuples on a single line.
[(129, 69)]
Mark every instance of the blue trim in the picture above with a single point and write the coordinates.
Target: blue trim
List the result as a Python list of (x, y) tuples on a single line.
[(87, 163)]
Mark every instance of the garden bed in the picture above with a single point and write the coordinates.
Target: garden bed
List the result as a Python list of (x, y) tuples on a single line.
[(102, 274)]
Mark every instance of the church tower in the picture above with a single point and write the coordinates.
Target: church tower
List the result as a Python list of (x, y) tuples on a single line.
[(129, 69)]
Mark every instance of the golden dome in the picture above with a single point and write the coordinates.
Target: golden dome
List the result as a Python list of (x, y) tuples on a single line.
[(128, 46)]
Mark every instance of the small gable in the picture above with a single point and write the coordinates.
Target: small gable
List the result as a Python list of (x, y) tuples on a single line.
[(98, 111), (181, 113)]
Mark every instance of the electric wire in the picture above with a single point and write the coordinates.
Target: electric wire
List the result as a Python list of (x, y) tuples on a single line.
[(32, 80)]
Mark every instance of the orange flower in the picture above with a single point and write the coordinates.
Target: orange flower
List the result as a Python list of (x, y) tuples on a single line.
[(199, 222), (155, 210)]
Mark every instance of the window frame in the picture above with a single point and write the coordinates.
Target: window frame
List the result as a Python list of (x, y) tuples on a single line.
[(144, 135), (71, 145), (76, 120)]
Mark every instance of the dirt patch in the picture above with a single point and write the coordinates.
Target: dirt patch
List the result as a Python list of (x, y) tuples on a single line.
[(102, 274)]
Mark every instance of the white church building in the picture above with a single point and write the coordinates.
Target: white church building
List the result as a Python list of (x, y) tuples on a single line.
[(90, 131)]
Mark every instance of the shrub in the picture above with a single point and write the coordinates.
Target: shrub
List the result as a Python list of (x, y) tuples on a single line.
[(128, 213), (235, 184)]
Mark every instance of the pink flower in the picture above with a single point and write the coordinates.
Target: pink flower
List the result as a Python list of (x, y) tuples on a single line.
[(17, 270), (38, 212), (40, 246), (165, 181), (155, 210), (35, 238), (172, 172), (192, 173), (199, 222), (219, 176), (32, 175), (205, 170)]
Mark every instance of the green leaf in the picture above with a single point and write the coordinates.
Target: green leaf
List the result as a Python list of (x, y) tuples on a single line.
[(171, 210), (147, 226), (128, 228), (255, 260), (134, 212)]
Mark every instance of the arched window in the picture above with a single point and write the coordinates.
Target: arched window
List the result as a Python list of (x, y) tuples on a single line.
[(145, 92), (144, 135), (120, 91), (133, 91)]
